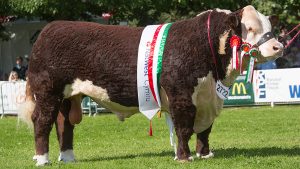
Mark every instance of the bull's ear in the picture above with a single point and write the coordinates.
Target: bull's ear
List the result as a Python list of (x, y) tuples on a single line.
[(234, 19), (274, 19)]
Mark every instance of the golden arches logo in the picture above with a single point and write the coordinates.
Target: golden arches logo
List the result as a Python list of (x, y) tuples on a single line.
[(238, 87)]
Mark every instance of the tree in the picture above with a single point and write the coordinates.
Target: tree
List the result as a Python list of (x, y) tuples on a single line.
[(138, 12), (288, 10)]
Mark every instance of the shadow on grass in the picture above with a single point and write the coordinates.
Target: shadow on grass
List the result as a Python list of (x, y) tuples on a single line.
[(130, 156), (219, 153), (257, 152)]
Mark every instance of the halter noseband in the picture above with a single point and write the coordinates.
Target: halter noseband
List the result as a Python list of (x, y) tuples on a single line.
[(267, 36)]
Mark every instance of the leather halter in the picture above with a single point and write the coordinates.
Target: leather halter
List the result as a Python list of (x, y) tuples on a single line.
[(267, 36)]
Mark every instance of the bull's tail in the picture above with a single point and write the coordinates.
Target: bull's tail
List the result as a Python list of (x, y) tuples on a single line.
[(26, 108)]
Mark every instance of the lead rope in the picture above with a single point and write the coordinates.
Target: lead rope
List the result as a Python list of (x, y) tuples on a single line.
[(289, 43)]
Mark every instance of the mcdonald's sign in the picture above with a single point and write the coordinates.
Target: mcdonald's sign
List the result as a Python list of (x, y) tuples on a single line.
[(241, 93), (238, 87)]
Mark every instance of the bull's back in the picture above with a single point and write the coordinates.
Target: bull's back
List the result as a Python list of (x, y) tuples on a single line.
[(105, 55)]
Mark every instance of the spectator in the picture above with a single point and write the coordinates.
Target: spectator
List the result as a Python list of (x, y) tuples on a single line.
[(27, 61), (19, 68), (13, 77)]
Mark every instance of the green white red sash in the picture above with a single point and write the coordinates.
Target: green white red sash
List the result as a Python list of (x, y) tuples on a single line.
[(150, 55)]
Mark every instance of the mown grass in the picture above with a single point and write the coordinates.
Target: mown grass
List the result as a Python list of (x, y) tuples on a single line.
[(256, 137)]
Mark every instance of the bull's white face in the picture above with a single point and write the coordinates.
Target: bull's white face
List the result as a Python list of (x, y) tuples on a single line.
[(254, 26)]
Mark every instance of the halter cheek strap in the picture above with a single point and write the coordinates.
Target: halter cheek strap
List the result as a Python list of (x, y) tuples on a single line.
[(267, 36)]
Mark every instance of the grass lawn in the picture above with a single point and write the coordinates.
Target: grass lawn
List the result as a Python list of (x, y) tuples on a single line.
[(256, 137)]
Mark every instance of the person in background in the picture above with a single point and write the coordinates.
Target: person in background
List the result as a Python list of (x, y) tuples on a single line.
[(13, 76), (19, 68), (27, 61)]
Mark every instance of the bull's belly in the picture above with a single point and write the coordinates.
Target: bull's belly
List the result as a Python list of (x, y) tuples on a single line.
[(208, 104), (101, 96)]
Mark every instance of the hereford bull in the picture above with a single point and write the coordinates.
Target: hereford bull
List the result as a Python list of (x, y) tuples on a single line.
[(72, 59)]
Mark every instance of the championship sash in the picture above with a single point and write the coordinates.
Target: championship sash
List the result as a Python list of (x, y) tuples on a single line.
[(149, 65)]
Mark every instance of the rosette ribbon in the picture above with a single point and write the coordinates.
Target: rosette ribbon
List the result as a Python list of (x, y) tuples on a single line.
[(235, 43), (245, 48), (253, 55)]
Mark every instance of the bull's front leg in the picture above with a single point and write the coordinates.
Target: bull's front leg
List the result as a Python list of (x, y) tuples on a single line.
[(183, 115), (202, 144), (43, 117), (64, 130)]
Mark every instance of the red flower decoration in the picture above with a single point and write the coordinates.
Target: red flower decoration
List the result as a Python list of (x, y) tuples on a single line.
[(235, 41)]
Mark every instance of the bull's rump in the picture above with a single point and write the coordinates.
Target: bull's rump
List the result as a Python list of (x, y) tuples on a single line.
[(105, 55)]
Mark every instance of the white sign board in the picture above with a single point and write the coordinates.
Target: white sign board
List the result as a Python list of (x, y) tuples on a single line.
[(12, 95), (277, 85)]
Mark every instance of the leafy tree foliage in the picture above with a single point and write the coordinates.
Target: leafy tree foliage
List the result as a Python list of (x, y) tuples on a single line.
[(139, 12)]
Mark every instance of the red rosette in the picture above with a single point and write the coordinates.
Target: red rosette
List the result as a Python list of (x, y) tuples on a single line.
[(235, 41), (246, 47)]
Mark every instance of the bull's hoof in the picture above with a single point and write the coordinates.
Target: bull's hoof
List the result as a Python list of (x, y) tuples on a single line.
[(205, 156), (190, 159), (34, 157), (66, 156), (41, 160)]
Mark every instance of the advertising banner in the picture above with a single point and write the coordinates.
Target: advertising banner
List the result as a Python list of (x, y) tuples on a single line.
[(241, 93), (277, 85)]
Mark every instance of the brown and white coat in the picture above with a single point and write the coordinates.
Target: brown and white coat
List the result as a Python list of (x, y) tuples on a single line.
[(72, 59)]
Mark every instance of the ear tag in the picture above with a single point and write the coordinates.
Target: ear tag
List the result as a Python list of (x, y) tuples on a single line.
[(222, 91)]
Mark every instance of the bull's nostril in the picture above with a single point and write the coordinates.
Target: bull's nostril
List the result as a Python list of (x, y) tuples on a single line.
[(275, 48)]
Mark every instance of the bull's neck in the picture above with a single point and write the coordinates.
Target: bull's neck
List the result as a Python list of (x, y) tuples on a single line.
[(225, 56)]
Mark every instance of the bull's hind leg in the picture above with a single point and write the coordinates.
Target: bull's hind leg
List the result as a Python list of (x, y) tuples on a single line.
[(202, 145), (43, 117), (64, 130), (183, 114)]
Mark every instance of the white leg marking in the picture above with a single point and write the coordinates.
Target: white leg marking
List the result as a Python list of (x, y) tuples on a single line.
[(41, 160), (66, 156), (34, 157), (191, 158), (209, 155)]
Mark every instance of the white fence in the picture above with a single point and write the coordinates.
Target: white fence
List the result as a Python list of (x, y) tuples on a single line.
[(269, 86), (12, 94)]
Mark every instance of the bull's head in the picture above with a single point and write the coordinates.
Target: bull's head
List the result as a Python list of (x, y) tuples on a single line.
[(256, 30)]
